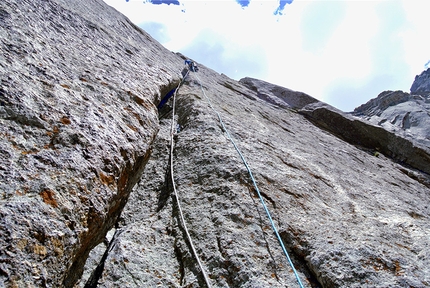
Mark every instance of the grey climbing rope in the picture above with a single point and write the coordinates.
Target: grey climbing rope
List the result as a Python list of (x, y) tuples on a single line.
[(254, 183), (172, 133)]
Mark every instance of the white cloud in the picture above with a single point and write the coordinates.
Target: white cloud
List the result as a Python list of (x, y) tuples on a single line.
[(342, 52), (230, 58), (310, 62), (415, 36)]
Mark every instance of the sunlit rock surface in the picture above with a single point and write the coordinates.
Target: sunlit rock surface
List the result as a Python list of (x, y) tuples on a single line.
[(78, 87), (349, 217)]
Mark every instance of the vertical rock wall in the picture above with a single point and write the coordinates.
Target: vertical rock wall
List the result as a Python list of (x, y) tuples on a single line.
[(78, 86), (348, 218), (78, 124)]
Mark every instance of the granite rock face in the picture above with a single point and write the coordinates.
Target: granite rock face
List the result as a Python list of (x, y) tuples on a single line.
[(421, 83), (401, 113), (85, 152), (410, 147), (348, 218), (77, 119), (278, 95)]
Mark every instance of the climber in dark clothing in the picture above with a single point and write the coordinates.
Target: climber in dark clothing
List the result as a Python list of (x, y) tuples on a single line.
[(191, 65), (166, 98)]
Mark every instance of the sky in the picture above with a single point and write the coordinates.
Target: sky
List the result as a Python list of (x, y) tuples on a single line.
[(342, 52)]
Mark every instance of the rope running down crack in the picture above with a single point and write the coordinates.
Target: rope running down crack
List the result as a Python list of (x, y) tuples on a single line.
[(172, 132)]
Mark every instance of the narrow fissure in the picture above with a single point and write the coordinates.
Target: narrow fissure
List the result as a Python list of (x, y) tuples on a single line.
[(227, 265), (275, 265), (185, 260), (134, 278), (92, 282), (298, 259), (179, 256), (165, 190)]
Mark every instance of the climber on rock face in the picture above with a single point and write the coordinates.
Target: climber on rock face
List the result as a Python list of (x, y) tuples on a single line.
[(191, 65)]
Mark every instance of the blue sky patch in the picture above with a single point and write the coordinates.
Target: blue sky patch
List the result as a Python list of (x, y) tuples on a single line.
[(243, 3), (282, 4), (168, 2)]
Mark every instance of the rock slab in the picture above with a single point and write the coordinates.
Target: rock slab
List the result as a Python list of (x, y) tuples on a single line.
[(77, 117), (348, 217), (79, 87)]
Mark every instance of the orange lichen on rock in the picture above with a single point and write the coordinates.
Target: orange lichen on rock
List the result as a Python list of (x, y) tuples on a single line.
[(40, 250), (48, 197), (65, 120), (107, 179)]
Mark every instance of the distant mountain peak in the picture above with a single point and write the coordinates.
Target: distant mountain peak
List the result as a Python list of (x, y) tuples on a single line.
[(406, 114), (421, 84)]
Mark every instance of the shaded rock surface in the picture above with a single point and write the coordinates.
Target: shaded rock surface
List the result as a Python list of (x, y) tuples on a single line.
[(79, 84), (367, 135), (77, 116), (405, 147), (421, 83), (400, 112)]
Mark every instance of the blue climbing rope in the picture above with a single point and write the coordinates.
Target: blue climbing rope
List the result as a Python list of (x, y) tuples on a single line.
[(254, 183)]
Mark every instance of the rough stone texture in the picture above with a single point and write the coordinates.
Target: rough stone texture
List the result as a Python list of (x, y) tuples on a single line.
[(348, 218), (404, 148), (78, 87), (421, 83), (359, 132), (278, 95), (79, 84), (400, 112)]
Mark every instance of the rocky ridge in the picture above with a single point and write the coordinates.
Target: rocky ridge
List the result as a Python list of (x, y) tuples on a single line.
[(410, 150), (421, 85), (349, 211), (406, 115)]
